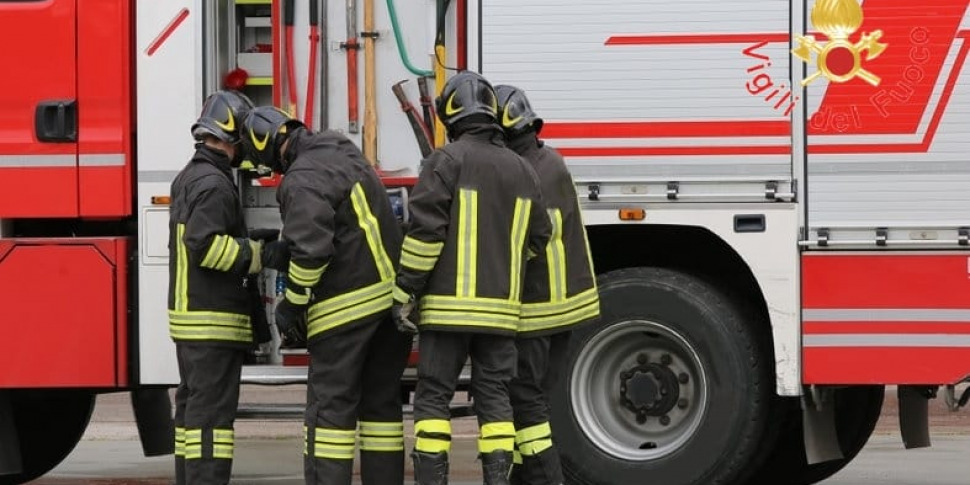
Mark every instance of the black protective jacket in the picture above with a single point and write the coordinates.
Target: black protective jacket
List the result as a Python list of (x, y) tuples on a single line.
[(344, 238), (560, 284), (209, 254), (476, 214)]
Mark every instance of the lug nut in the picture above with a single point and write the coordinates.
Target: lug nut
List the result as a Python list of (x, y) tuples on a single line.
[(665, 359), (682, 404), (665, 420), (683, 378), (642, 358)]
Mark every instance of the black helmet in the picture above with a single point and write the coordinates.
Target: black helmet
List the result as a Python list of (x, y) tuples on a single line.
[(222, 113), (514, 111), (264, 132), (464, 95)]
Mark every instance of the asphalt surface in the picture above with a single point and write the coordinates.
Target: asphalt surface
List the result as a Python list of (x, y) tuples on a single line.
[(270, 452)]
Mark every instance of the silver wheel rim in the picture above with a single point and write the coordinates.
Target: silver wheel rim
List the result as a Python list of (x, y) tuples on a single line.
[(598, 402)]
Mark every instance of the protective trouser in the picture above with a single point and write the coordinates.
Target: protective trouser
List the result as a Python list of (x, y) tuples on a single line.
[(205, 409), (540, 364), (356, 375), (442, 356)]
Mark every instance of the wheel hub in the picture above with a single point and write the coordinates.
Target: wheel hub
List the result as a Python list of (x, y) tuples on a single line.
[(649, 389)]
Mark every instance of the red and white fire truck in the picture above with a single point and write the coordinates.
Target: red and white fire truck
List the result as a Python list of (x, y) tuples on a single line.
[(776, 195)]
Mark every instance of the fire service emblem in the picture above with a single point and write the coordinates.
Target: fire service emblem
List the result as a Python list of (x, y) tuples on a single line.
[(839, 60)]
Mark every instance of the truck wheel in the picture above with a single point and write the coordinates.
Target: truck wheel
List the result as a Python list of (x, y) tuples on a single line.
[(857, 411), (49, 424), (669, 386)]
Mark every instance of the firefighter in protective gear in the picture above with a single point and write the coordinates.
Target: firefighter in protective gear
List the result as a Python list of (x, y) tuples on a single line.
[(559, 293), (210, 257), (476, 216), (343, 241)]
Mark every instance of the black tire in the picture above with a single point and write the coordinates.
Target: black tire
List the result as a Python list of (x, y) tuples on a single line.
[(49, 424), (857, 411), (713, 438)]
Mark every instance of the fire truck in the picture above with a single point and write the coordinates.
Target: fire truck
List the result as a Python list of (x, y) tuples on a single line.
[(775, 194)]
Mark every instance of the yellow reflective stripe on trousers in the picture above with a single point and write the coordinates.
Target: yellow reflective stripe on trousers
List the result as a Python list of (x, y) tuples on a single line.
[(421, 248), (467, 243), (193, 444), (199, 325), (372, 231), (223, 442), (432, 436), (433, 426), (497, 436), (533, 448), (334, 443), (180, 442), (350, 307), (372, 443), (181, 270), (556, 258), (520, 226), (305, 276), (381, 428), (533, 433)]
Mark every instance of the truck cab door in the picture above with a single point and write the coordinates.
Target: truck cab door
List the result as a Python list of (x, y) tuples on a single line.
[(38, 109)]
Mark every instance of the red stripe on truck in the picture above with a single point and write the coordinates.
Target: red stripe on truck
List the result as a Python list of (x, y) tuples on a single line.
[(167, 32)]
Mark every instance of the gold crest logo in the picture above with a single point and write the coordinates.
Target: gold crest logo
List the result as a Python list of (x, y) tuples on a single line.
[(839, 60)]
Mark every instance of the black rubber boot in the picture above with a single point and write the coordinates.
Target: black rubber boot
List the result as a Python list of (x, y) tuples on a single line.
[(430, 468), (515, 476), (541, 469), (496, 467)]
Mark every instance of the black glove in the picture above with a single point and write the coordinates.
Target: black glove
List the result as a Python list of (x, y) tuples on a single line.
[(401, 314), (264, 235), (257, 312), (276, 255), (291, 322)]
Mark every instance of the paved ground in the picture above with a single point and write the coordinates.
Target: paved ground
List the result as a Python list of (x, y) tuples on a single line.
[(270, 451)]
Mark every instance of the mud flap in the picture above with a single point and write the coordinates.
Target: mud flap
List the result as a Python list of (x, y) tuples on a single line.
[(153, 414), (10, 463), (818, 420), (914, 416)]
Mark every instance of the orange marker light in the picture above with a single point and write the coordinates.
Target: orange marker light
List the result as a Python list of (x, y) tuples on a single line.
[(632, 214), (161, 200)]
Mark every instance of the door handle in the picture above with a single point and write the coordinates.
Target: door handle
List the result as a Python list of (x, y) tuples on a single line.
[(55, 121)]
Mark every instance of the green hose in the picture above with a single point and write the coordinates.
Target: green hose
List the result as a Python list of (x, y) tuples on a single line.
[(400, 43)]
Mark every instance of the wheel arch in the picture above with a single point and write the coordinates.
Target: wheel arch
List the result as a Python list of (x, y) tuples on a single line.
[(759, 270)]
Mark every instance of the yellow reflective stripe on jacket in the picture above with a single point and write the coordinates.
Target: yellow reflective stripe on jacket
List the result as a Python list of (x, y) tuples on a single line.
[(372, 232), (400, 295), (298, 298), (349, 307), (421, 248), (478, 312), (179, 441), (305, 276), (467, 273), (419, 255), (181, 270), (415, 262), (223, 442), (201, 325), (548, 315), (222, 253), (556, 258), (193, 444), (520, 225)]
